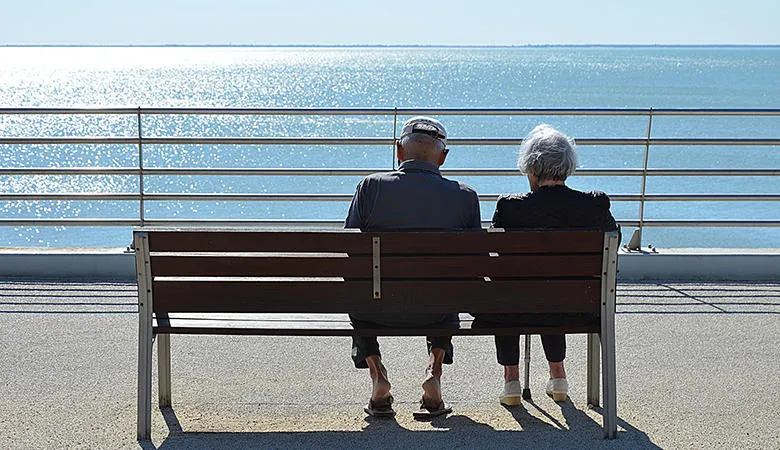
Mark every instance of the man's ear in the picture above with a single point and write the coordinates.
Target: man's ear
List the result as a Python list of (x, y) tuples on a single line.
[(400, 152), (443, 156)]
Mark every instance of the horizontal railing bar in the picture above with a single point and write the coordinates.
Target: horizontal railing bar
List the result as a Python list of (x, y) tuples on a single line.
[(219, 197), (69, 171), (696, 197), (624, 141), (682, 172), (68, 111), (268, 141), (69, 140), (251, 197), (715, 112), (703, 223), (70, 222), (703, 141), (274, 171), (71, 196), (452, 172), (482, 197), (337, 223), (403, 111), (363, 141)]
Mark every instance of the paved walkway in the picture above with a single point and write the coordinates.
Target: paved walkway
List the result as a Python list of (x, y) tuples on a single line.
[(697, 368)]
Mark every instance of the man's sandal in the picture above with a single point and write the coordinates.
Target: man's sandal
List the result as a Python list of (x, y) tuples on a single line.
[(380, 409), (425, 413)]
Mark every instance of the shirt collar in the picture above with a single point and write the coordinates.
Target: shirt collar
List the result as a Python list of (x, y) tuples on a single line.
[(416, 165)]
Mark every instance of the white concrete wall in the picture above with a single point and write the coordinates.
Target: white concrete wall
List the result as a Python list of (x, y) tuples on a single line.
[(671, 264), (67, 263), (701, 264)]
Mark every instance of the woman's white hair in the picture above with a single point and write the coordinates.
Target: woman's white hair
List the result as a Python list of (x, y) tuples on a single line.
[(548, 154)]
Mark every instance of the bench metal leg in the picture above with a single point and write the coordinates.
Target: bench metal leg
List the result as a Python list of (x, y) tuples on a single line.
[(527, 364), (610, 388), (144, 380), (164, 369), (594, 359)]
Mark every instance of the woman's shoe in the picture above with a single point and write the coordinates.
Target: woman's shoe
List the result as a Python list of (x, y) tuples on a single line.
[(512, 395), (557, 388)]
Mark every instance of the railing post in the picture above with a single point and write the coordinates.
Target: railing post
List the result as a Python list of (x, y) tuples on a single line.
[(395, 130), (141, 206), (636, 239)]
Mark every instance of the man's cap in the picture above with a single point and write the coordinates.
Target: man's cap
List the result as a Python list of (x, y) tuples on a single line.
[(425, 125)]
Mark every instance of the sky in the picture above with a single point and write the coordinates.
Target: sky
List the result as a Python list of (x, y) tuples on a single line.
[(396, 22)]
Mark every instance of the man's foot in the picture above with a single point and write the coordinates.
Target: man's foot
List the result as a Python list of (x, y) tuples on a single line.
[(431, 397), (380, 385), (431, 404), (380, 390)]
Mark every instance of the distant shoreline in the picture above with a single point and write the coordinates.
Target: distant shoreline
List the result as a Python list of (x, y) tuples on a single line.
[(387, 46)]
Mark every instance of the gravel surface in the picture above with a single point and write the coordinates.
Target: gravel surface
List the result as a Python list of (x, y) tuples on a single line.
[(697, 368)]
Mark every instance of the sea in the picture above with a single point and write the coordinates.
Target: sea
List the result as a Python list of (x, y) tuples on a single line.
[(382, 77)]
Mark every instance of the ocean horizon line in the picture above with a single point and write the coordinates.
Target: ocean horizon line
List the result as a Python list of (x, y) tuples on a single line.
[(594, 45)]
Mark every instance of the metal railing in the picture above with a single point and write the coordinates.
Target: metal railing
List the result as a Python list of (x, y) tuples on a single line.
[(141, 171)]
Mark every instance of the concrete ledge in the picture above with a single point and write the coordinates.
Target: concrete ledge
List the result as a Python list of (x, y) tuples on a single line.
[(100, 263), (82, 263), (707, 264)]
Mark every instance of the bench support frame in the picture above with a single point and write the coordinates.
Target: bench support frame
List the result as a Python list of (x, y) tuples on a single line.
[(608, 294), (145, 335)]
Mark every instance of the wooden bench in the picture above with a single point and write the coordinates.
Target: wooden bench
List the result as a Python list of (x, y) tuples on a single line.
[(304, 282)]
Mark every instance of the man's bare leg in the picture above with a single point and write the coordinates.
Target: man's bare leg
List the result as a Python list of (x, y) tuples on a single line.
[(380, 385), (432, 384)]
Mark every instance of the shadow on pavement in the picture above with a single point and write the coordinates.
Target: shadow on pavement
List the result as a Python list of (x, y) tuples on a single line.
[(455, 431)]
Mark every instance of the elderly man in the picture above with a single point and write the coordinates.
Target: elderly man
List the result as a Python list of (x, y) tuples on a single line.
[(414, 197), (547, 158)]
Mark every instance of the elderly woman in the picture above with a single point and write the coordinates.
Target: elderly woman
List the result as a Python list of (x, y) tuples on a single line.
[(547, 158)]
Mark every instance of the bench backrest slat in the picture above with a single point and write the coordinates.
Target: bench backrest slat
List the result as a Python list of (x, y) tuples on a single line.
[(422, 296), (512, 242), (395, 266), (226, 264), (240, 240), (356, 242)]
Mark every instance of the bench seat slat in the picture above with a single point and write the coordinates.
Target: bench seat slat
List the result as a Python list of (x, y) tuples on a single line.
[(420, 296), (348, 266), (332, 325)]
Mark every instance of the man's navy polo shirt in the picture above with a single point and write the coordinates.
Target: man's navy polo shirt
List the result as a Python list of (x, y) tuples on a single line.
[(414, 197)]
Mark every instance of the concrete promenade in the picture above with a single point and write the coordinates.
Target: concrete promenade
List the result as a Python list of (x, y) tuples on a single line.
[(698, 367)]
